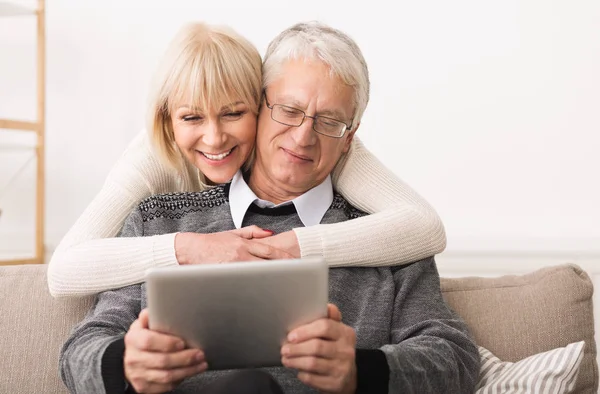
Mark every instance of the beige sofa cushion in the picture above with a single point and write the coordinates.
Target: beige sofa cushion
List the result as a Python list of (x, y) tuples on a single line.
[(517, 316), (514, 317), (33, 327)]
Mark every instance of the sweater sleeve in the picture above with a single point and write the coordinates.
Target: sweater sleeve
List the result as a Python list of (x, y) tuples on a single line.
[(403, 227), (89, 259), (91, 360), (431, 349)]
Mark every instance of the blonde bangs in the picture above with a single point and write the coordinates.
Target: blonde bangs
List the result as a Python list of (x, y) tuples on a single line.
[(217, 73)]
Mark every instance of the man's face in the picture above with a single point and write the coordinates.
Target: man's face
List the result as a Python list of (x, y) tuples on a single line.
[(298, 158)]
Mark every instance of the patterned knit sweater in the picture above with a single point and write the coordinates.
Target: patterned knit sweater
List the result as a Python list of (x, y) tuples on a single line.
[(408, 340)]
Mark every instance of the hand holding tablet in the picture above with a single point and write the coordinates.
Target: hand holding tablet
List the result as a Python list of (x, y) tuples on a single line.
[(239, 314)]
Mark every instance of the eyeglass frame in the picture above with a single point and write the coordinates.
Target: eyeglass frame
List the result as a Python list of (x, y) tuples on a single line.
[(314, 118)]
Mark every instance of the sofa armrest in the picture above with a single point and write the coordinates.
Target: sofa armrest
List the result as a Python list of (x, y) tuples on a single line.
[(516, 316)]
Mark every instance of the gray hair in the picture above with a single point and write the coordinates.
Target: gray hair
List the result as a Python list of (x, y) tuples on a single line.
[(315, 40)]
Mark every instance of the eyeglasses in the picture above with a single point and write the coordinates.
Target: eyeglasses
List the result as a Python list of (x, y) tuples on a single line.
[(294, 117)]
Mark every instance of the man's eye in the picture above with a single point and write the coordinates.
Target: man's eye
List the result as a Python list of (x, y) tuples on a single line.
[(290, 111), (329, 123)]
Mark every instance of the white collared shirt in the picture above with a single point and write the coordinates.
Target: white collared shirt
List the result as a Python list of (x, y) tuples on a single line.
[(311, 206)]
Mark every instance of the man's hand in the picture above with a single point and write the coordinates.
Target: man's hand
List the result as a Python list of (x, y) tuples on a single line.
[(226, 247), (323, 352), (156, 362), (287, 242)]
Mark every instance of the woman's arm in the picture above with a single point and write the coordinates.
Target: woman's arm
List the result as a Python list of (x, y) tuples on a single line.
[(88, 259), (403, 227)]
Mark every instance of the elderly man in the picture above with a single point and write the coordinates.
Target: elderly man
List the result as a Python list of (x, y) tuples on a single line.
[(397, 335)]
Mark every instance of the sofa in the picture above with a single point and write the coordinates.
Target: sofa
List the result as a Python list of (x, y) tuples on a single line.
[(512, 316)]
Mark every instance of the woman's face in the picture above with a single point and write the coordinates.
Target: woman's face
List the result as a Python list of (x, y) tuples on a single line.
[(216, 141)]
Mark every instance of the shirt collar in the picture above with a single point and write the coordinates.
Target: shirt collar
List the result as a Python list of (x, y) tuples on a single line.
[(311, 206)]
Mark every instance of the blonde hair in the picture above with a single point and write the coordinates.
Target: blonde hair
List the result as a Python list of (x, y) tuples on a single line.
[(204, 67), (316, 40)]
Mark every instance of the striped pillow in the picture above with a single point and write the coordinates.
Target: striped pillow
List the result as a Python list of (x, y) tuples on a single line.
[(554, 371)]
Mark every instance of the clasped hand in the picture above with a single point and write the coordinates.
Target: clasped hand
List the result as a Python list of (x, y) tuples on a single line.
[(244, 244)]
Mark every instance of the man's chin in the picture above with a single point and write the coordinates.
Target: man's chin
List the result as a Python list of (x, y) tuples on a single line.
[(293, 182)]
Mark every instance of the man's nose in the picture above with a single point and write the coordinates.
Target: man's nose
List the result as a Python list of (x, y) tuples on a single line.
[(304, 135)]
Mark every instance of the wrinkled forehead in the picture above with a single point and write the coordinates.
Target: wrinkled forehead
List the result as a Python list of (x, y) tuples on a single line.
[(312, 83)]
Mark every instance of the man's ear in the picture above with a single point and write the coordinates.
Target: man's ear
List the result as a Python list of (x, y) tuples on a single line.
[(349, 139)]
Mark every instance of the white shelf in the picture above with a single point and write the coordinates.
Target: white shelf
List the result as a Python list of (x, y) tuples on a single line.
[(11, 127), (16, 147), (12, 8)]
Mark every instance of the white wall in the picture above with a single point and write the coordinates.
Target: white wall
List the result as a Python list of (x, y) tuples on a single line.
[(489, 109)]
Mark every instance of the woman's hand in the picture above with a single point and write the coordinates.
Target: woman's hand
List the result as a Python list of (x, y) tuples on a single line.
[(287, 242), (227, 247)]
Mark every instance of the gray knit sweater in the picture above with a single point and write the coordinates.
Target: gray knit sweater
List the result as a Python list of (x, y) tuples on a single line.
[(408, 340)]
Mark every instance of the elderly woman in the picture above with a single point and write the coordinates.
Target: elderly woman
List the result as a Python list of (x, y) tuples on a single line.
[(211, 77)]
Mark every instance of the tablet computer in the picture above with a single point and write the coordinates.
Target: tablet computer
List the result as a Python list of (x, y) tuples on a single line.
[(239, 314)]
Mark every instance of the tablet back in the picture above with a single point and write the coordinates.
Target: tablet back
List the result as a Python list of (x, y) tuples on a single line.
[(238, 313)]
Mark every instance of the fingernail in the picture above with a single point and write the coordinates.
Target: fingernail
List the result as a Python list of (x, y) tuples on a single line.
[(199, 356), (285, 350), (269, 231), (180, 345), (292, 337), (203, 366)]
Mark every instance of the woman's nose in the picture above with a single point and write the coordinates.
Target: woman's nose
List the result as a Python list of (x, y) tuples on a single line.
[(213, 135)]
